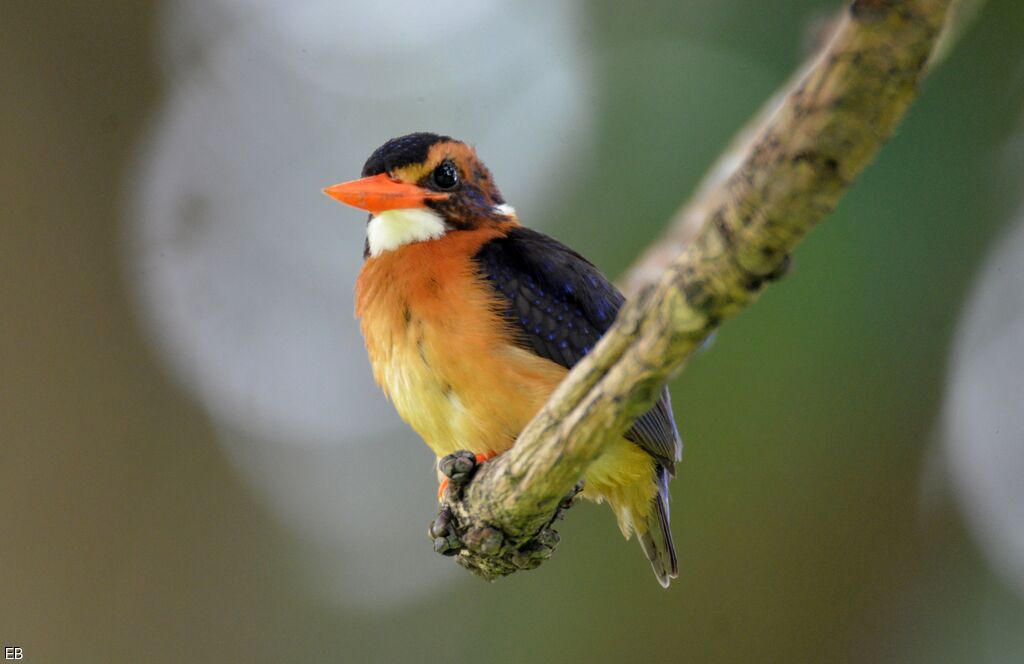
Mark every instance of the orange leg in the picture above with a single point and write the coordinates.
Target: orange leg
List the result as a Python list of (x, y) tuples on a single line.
[(480, 458)]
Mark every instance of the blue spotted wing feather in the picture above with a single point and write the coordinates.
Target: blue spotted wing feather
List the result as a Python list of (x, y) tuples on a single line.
[(559, 305)]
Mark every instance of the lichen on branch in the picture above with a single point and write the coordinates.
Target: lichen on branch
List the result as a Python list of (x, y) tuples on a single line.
[(794, 169)]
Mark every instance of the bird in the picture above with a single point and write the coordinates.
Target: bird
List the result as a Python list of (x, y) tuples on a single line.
[(471, 320)]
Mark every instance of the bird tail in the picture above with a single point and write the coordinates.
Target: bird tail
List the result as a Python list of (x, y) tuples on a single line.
[(656, 540)]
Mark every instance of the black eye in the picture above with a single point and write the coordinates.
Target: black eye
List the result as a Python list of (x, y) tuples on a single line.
[(445, 176)]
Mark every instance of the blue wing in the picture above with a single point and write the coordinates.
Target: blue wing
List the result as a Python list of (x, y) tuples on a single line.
[(559, 306)]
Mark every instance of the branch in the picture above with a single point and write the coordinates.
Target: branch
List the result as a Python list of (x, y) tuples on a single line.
[(689, 219), (737, 236)]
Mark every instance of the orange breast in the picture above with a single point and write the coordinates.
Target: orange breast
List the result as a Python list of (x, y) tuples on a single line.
[(441, 351)]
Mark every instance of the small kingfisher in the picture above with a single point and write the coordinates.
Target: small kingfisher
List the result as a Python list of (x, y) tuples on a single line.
[(471, 320)]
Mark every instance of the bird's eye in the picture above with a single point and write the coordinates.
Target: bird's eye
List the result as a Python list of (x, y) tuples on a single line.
[(445, 176)]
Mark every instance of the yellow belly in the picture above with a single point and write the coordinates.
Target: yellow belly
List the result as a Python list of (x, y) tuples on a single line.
[(441, 351), (456, 401)]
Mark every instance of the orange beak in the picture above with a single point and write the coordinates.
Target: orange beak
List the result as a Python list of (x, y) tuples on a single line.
[(378, 193)]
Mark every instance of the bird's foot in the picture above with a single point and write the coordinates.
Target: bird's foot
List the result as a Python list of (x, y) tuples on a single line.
[(458, 469), (484, 549)]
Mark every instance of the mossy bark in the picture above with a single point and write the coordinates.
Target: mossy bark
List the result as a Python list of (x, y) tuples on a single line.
[(793, 173)]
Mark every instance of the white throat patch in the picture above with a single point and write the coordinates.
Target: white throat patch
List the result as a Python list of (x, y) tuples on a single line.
[(391, 229)]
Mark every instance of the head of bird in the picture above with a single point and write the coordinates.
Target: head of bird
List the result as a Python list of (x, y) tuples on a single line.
[(419, 187)]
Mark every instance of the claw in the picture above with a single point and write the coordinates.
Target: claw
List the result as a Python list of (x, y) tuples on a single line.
[(487, 540), (447, 546), (439, 528), (458, 468), (483, 549)]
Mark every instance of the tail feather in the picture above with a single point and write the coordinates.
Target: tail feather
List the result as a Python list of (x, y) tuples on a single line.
[(656, 538)]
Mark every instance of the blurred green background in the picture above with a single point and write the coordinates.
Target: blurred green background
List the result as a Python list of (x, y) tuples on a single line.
[(812, 521)]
